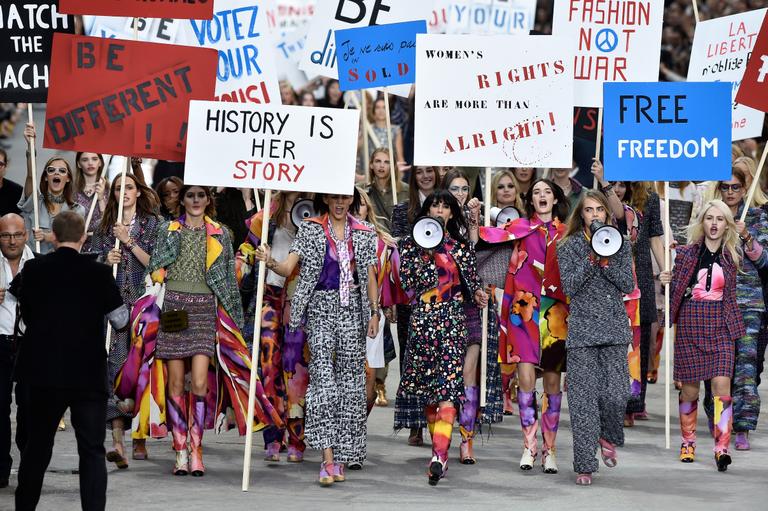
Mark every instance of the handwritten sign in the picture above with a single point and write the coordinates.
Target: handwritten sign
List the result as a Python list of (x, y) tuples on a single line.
[(378, 56), (277, 147), (668, 131), (195, 9), (754, 88), (721, 48), (478, 104), (491, 17)]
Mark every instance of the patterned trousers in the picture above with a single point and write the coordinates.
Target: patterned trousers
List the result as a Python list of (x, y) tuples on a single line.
[(336, 413), (598, 388)]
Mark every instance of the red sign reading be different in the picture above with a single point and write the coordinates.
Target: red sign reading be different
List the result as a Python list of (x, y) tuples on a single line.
[(183, 9), (753, 91)]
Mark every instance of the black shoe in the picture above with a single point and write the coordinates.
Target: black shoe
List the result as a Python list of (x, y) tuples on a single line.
[(435, 472), (723, 459)]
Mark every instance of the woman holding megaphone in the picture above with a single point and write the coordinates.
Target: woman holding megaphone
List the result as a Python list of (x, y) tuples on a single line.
[(441, 279), (598, 335)]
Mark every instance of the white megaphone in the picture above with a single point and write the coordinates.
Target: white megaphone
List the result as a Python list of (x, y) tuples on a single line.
[(428, 232), (301, 210), (606, 239), (502, 216)]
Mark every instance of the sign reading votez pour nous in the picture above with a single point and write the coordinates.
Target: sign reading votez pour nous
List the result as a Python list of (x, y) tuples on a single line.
[(480, 104), (124, 97), (613, 40), (668, 131), (754, 87), (378, 56), (195, 9), (721, 47), (26, 36), (289, 148)]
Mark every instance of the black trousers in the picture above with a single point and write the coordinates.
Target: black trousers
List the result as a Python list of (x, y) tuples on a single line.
[(88, 412), (7, 358)]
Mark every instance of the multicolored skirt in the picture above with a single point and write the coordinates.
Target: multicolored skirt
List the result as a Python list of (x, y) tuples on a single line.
[(200, 336), (703, 347)]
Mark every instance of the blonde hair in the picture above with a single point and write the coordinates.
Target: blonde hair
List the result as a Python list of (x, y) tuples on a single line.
[(730, 241), (759, 198), (495, 183), (713, 190), (372, 177), (370, 217)]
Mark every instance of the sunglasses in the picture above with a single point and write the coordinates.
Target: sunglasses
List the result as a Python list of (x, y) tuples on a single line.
[(458, 189), (193, 195), (56, 170), (724, 187)]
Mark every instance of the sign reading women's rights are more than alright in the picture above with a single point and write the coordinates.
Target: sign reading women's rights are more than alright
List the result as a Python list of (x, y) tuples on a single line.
[(667, 131), (480, 104), (290, 148)]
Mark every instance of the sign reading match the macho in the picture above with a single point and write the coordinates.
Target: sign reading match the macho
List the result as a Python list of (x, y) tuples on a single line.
[(26, 36), (721, 48), (490, 17), (667, 131), (613, 41), (124, 97), (480, 104), (378, 56), (754, 87), (290, 148), (195, 9)]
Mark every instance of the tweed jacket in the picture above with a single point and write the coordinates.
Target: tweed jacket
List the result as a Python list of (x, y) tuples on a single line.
[(686, 262), (597, 314), (220, 262), (419, 275), (310, 245)]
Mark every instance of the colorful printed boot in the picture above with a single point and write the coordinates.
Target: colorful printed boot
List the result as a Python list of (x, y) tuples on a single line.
[(529, 416), (176, 411), (326, 474), (441, 443), (723, 424), (196, 429), (550, 419), (296, 445), (430, 413), (742, 440), (467, 420), (688, 412), (272, 452)]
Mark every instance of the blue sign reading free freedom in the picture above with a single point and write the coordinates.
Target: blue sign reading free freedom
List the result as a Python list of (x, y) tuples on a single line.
[(379, 55), (667, 131)]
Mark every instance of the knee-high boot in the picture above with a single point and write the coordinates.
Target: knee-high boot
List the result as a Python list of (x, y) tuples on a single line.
[(723, 423), (296, 444), (688, 411), (467, 420), (196, 428), (177, 420), (441, 443), (430, 413), (529, 420), (550, 419)]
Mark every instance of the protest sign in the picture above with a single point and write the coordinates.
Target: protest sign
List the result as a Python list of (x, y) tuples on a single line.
[(378, 56), (491, 17), (289, 47), (26, 35), (721, 47), (613, 40), (274, 147), (668, 131), (124, 97), (754, 87), (291, 15), (478, 104), (196, 9), (155, 30)]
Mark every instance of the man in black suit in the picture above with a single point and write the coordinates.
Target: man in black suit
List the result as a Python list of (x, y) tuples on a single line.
[(62, 362)]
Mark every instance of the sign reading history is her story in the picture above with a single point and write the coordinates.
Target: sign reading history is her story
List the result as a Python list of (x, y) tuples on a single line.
[(276, 147), (478, 104)]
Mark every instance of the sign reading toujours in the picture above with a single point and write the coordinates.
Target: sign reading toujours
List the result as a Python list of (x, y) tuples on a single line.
[(613, 40), (26, 36), (287, 148), (378, 56), (721, 47), (754, 86), (668, 131), (478, 104), (195, 9)]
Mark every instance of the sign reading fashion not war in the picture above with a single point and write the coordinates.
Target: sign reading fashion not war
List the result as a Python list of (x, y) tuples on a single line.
[(378, 56), (491, 17), (195, 9), (26, 36), (667, 131), (124, 97), (721, 48), (613, 40), (289, 148), (754, 87), (479, 104)]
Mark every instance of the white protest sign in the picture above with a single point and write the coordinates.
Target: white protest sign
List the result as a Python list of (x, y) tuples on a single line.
[(720, 51), (289, 47), (293, 14), (276, 147), (613, 41), (154, 30), (479, 104), (491, 17)]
